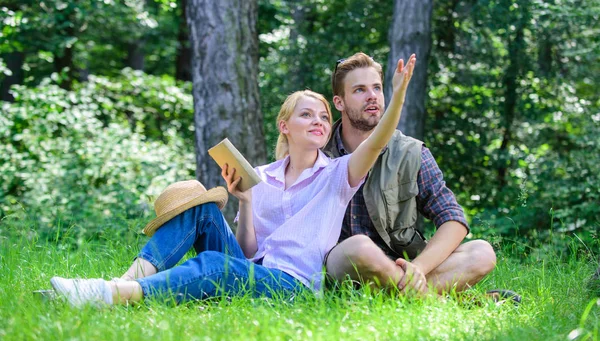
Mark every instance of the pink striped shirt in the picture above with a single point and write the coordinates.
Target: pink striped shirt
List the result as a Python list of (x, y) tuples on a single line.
[(296, 227)]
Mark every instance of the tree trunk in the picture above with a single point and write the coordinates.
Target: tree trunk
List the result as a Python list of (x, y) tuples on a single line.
[(135, 54), (224, 44), (183, 60), (296, 80), (409, 33), (14, 62), (64, 59), (516, 48)]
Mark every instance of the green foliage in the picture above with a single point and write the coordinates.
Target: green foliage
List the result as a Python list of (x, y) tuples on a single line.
[(300, 42), (513, 122), (99, 33), (512, 110), (82, 160)]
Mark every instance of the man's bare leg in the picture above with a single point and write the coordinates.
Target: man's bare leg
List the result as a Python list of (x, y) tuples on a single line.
[(361, 259), (466, 266)]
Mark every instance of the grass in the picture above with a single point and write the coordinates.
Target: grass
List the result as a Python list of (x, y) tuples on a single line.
[(556, 304)]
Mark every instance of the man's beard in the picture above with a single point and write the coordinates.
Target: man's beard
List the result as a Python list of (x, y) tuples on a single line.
[(360, 123)]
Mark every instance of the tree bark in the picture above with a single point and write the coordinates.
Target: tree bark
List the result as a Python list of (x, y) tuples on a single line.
[(14, 62), (224, 44), (410, 33), (516, 47), (135, 54), (183, 60), (296, 80)]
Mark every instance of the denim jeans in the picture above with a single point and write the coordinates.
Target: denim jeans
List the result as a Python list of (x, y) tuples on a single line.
[(219, 268)]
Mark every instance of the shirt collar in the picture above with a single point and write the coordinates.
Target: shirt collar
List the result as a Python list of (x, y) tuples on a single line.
[(276, 170), (340, 144)]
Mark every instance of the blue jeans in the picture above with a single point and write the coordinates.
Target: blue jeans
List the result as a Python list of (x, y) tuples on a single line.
[(219, 268)]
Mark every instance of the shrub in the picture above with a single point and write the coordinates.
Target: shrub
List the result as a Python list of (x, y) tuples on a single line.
[(84, 160)]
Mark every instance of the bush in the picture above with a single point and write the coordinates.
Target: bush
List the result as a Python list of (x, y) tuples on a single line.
[(84, 160)]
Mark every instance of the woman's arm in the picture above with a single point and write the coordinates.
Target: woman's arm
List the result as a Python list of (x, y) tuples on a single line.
[(245, 230), (364, 157)]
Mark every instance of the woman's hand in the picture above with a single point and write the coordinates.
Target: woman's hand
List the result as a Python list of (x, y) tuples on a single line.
[(403, 75), (228, 174)]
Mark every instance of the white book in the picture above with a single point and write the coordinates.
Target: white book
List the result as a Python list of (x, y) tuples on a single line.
[(226, 153)]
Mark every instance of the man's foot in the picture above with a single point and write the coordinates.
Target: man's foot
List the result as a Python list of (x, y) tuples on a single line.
[(498, 296), (80, 292), (501, 296)]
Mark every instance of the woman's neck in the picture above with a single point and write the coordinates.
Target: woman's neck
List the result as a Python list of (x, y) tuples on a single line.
[(299, 161)]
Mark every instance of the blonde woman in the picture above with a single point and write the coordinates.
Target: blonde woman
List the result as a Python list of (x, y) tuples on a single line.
[(286, 224)]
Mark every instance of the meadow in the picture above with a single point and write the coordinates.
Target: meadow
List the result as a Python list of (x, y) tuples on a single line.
[(558, 302)]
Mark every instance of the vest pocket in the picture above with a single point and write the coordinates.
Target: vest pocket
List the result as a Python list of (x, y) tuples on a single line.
[(401, 207), (407, 242)]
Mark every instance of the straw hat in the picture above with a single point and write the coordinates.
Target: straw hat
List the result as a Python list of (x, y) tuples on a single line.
[(181, 196)]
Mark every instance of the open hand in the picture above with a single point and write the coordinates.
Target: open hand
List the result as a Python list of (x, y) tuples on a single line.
[(413, 280), (229, 174), (403, 75)]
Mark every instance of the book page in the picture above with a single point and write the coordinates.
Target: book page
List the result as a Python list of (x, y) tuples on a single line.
[(226, 153)]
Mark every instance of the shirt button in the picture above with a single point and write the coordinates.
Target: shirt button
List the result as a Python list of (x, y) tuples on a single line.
[(354, 217)]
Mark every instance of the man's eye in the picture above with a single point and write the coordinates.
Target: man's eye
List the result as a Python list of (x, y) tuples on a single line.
[(378, 88), (358, 90)]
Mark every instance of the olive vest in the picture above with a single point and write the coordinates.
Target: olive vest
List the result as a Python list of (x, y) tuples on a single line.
[(390, 192)]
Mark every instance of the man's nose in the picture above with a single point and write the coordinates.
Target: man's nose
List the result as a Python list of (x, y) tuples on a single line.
[(371, 94)]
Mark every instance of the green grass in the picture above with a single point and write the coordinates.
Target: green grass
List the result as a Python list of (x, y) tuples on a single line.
[(556, 304)]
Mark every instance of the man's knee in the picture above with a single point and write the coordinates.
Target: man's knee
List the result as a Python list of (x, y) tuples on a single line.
[(483, 255), (359, 253)]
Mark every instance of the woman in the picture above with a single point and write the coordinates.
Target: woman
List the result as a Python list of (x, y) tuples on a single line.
[(286, 224)]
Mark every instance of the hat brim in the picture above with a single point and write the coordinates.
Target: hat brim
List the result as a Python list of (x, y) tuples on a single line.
[(218, 195)]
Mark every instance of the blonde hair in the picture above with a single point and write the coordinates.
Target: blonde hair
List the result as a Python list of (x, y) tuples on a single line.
[(286, 111)]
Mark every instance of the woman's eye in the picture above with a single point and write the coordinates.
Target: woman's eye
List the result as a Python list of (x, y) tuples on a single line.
[(304, 114), (325, 118)]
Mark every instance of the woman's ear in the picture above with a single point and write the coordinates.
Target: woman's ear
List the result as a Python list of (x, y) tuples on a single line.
[(283, 127), (338, 102)]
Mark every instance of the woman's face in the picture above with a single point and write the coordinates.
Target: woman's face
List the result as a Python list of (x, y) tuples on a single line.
[(309, 126)]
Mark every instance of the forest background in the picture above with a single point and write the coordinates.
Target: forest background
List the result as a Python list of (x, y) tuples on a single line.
[(104, 103)]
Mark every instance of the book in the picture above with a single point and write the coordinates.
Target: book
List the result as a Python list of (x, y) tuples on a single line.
[(226, 153)]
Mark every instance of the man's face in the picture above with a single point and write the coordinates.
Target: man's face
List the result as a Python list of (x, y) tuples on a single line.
[(363, 99)]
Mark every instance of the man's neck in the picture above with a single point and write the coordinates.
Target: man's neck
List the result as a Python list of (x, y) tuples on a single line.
[(352, 137)]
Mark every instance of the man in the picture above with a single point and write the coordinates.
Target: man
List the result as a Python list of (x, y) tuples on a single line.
[(379, 243)]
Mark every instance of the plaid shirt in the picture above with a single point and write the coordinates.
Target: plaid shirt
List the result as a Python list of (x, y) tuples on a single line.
[(435, 201)]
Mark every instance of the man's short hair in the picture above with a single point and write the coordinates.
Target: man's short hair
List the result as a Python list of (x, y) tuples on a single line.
[(343, 66)]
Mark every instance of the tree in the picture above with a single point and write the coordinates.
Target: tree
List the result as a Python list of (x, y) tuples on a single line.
[(410, 32), (225, 86), (183, 59)]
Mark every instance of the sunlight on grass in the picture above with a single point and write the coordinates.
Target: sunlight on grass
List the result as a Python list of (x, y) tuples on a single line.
[(556, 305)]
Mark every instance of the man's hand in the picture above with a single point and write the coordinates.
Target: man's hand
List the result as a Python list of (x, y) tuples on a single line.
[(403, 75), (228, 174), (413, 279)]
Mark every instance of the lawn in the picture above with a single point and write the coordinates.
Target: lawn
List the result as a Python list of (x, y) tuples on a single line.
[(556, 303)]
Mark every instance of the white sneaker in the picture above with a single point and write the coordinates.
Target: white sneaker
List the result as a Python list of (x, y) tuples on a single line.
[(80, 292)]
